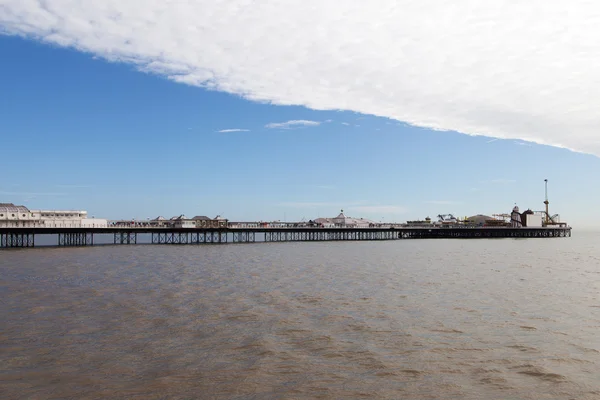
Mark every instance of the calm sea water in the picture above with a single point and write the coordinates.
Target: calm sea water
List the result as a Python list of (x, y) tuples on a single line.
[(415, 319)]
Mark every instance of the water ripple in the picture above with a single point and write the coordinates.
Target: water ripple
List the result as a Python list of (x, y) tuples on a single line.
[(408, 319)]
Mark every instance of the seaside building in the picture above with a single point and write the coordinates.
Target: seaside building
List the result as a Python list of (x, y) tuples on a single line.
[(181, 221), (426, 222), (342, 221), (13, 216)]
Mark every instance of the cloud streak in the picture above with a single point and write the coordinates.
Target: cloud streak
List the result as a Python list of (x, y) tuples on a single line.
[(233, 130), (21, 194), (500, 69), (292, 124)]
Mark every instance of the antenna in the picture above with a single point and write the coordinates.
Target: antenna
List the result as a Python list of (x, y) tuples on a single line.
[(546, 202)]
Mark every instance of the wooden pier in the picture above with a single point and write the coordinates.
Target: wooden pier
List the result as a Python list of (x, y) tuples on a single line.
[(25, 237)]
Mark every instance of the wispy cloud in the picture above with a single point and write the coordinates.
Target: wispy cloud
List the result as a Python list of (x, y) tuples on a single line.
[(445, 74), (443, 202), (32, 194), (292, 124), (233, 130), (345, 123), (75, 186), (378, 209)]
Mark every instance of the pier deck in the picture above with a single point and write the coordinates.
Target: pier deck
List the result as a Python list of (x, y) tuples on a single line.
[(25, 237)]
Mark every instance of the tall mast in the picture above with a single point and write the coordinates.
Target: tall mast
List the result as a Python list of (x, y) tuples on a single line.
[(546, 202)]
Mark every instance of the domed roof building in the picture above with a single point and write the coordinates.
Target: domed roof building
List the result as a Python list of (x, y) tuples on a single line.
[(343, 221), (478, 219)]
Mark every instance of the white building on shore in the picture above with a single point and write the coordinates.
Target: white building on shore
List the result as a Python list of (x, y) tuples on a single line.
[(12, 216)]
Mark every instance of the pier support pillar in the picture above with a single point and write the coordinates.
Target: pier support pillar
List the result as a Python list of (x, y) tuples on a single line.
[(75, 239), (17, 240), (125, 238), (244, 237)]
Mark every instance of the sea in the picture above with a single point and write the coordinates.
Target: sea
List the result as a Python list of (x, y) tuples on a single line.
[(403, 319)]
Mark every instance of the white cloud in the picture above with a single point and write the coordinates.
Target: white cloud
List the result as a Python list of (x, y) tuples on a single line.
[(291, 124), (501, 69), (345, 123), (233, 130), (378, 209), (32, 194)]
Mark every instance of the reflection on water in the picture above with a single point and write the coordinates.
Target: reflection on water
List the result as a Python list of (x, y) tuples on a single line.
[(421, 319)]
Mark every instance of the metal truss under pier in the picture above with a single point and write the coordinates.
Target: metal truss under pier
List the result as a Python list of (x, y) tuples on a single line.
[(318, 236), (125, 238), (196, 237), (17, 240), (25, 237), (76, 239), (484, 233)]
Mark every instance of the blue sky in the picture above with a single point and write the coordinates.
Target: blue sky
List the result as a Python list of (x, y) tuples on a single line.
[(79, 132)]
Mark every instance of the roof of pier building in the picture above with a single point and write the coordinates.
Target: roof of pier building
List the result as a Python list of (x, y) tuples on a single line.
[(479, 219), (342, 219), (201, 218), (11, 208)]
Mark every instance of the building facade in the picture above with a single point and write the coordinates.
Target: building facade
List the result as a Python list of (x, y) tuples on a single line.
[(13, 216), (182, 221), (342, 221)]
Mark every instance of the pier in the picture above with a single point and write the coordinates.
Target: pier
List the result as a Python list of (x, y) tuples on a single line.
[(20, 237), (19, 227)]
